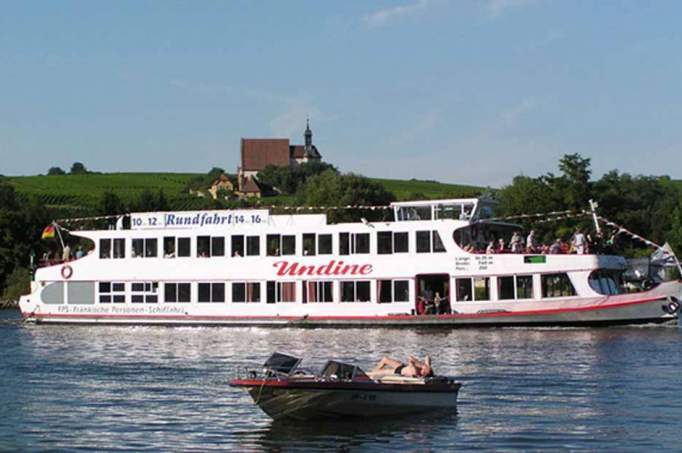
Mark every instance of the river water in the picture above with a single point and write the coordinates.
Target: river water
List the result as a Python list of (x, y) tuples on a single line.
[(158, 388)]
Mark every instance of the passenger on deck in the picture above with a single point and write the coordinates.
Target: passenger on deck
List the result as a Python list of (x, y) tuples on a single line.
[(79, 252), (413, 368), (490, 249), (501, 247), (579, 242), (555, 248), (66, 253), (532, 243), (516, 244)]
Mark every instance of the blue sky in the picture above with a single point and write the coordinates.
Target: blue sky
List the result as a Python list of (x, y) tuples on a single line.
[(458, 91)]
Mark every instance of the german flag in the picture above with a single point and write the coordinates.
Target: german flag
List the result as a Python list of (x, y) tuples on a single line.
[(48, 232)]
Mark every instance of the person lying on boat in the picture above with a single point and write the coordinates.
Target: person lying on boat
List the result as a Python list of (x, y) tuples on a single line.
[(413, 368)]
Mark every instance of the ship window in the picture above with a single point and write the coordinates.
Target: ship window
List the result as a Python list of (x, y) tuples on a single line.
[(184, 247), (390, 242), (105, 248), (344, 243), (170, 291), (245, 292), (505, 288), (481, 288), (400, 242), (144, 248), (272, 245), (169, 247), (277, 245), (184, 292), (210, 246), (253, 245), (281, 292), (324, 244), (524, 286), (211, 292), (606, 282), (423, 242), (353, 243), (238, 245), (472, 289), (464, 290), (138, 248), (150, 248), (557, 285), (355, 291), (111, 292), (393, 291), (144, 292), (429, 241), (361, 243), (119, 248), (309, 244), (317, 292), (177, 292), (384, 244), (217, 246), (438, 246), (203, 246), (288, 245)]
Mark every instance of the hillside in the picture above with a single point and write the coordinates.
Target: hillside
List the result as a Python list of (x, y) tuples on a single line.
[(85, 191)]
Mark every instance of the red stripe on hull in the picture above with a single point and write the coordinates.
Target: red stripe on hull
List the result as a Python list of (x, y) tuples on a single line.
[(444, 317)]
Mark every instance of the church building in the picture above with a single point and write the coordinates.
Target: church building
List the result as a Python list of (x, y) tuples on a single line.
[(258, 153)]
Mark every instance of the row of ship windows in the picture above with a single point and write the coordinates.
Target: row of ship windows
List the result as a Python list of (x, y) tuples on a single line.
[(318, 291), (466, 289), (387, 242)]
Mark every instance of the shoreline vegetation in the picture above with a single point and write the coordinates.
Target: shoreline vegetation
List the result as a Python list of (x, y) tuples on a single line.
[(648, 205)]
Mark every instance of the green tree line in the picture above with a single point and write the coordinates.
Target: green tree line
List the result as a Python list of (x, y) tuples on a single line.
[(647, 205)]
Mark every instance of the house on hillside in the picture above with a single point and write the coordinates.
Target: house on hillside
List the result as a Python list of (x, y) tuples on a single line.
[(258, 153), (223, 184)]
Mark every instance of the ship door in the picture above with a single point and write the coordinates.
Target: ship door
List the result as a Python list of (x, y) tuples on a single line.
[(430, 288)]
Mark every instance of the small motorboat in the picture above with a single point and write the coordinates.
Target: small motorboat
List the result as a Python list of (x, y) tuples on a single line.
[(285, 391)]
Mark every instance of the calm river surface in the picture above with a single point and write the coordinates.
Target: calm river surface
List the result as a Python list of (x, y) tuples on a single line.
[(157, 388)]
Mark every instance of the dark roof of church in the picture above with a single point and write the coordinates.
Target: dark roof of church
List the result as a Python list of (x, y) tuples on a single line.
[(258, 153)]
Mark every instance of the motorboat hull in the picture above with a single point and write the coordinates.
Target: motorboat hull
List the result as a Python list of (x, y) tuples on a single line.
[(285, 400)]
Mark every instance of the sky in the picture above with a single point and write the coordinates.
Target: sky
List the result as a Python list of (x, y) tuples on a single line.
[(470, 92)]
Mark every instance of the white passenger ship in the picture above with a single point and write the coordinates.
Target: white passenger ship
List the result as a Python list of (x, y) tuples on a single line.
[(252, 268)]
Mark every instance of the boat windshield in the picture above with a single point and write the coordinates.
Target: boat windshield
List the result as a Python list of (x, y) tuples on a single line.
[(339, 370), (282, 363)]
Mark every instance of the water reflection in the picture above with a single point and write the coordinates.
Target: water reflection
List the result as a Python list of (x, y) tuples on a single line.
[(385, 434), (107, 387)]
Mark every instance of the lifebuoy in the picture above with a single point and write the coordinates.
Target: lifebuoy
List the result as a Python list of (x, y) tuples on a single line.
[(67, 272)]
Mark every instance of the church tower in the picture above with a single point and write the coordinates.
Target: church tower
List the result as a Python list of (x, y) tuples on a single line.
[(308, 149)]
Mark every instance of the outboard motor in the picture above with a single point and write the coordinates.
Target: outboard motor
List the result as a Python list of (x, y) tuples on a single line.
[(672, 307)]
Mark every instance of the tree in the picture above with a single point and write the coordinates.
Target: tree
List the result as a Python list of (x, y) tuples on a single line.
[(674, 236), (331, 189), (18, 284), (56, 171), (78, 169)]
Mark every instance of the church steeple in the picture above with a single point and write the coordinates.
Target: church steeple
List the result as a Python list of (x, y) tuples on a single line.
[(308, 137)]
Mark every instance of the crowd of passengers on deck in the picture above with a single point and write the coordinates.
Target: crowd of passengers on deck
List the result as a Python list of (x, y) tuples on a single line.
[(581, 243)]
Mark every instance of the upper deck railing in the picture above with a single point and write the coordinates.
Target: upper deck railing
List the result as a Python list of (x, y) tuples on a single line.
[(468, 209)]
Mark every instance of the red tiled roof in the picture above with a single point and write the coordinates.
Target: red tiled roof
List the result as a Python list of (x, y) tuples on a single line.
[(258, 153)]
